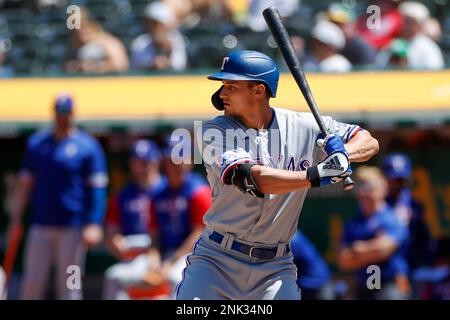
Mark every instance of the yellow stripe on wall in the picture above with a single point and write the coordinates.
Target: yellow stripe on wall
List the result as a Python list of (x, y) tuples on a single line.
[(25, 99)]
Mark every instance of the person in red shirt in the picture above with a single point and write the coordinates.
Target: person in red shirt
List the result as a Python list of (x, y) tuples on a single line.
[(380, 34)]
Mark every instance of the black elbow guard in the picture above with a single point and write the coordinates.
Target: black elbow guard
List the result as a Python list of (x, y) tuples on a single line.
[(241, 177)]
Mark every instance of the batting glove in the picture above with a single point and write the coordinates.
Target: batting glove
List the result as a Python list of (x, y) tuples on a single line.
[(332, 143), (331, 170)]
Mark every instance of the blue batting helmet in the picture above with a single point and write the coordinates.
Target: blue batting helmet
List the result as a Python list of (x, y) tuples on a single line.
[(146, 150), (397, 165), (249, 65)]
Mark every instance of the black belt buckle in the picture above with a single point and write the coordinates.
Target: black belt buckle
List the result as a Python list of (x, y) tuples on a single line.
[(262, 253)]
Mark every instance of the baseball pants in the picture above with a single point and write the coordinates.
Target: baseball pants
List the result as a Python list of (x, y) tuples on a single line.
[(47, 246), (216, 273)]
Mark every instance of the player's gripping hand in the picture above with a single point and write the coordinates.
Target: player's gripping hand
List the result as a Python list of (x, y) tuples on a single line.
[(332, 143), (331, 170)]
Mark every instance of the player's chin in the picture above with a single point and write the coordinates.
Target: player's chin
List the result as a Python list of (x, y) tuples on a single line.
[(229, 109)]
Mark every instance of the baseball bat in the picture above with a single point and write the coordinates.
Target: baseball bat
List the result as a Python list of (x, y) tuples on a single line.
[(11, 253), (281, 36)]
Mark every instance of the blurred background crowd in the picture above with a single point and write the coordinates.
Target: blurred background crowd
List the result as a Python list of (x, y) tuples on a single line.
[(130, 228), (121, 35)]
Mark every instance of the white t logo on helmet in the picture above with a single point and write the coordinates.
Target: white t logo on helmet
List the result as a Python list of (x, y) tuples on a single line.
[(225, 60)]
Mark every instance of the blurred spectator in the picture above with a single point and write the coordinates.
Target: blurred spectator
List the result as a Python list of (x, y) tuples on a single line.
[(50, 3), (432, 28), (375, 237), (180, 9), (398, 171), (423, 53), (64, 173), (176, 223), (357, 50), (379, 35), (128, 217), (96, 50), (395, 56), (5, 71), (162, 47), (327, 41), (313, 275), (189, 13)]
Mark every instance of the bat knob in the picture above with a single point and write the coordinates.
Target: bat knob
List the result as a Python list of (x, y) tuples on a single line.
[(320, 143), (348, 184)]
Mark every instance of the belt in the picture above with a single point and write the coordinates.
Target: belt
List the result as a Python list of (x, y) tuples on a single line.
[(252, 251)]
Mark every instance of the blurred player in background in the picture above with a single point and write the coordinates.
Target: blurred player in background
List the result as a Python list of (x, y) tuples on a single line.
[(177, 213), (64, 175), (313, 275), (128, 218), (176, 222), (375, 237), (398, 171)]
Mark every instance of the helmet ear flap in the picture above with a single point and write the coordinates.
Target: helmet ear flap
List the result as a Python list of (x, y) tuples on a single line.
[(217, 100)]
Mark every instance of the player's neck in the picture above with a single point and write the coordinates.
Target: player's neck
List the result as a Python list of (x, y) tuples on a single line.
[(258, 118), (149, 181), (175, 183), (63, 132)]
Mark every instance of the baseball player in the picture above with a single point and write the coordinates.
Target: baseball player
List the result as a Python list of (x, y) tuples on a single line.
[(260, 162), (128, 219), (375, 237), (397, 168), (64, 173), (177, 211)]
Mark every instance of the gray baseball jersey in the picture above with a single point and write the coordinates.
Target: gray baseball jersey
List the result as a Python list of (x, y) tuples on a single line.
[(290, 144), (217, 271)]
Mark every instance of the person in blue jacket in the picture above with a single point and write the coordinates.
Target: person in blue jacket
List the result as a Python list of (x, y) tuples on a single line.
[(374, 242), (64, 176)]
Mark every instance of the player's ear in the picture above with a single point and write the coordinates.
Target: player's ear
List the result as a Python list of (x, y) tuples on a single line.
[(260, 89)]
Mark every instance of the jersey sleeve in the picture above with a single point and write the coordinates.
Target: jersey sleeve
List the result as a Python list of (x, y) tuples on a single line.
[(219, 155), (97, 180), (393, 227), (97, 176), (200, 203), (344, 130)]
